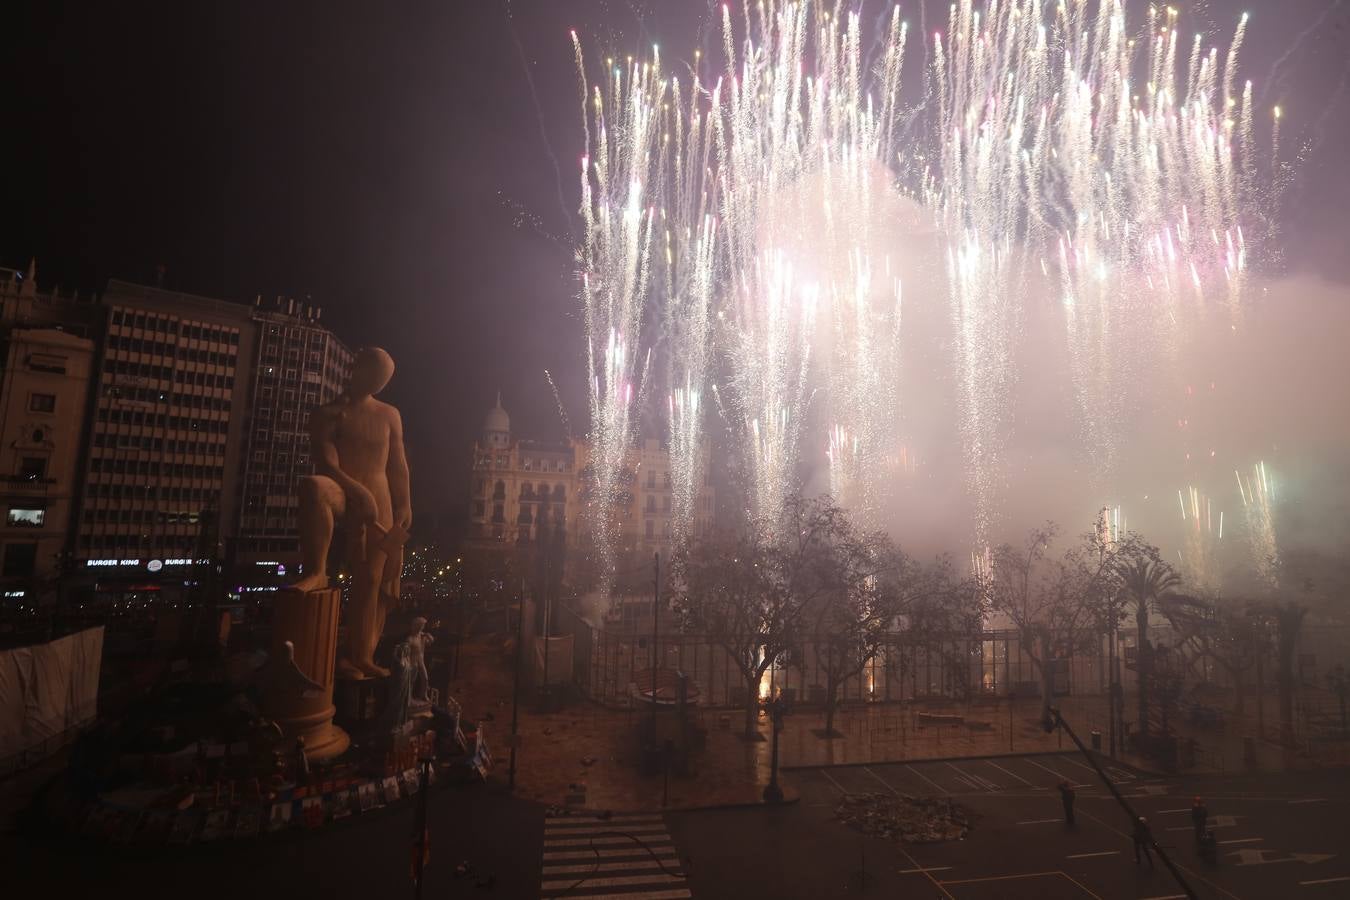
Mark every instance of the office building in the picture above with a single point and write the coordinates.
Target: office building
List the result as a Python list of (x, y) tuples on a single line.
[(301, 366)]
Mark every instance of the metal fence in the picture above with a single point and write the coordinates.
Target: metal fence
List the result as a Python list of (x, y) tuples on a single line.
[(992, 665)]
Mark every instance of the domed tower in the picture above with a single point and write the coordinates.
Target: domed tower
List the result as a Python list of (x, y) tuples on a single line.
[(497, 427)]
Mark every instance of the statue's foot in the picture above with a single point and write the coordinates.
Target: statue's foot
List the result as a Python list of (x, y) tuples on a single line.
[(348, 671), (315, 582), (369, 667)]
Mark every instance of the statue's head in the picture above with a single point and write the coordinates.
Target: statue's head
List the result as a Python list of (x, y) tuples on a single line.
[(371, 370), (418, 624)]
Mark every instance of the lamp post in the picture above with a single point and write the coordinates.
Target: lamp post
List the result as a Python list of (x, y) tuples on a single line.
[(1053, 720), (777, 708)]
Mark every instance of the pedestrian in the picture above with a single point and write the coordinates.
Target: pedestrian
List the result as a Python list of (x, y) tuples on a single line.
[(1066, 795), (1199, 818), (1143, 840)]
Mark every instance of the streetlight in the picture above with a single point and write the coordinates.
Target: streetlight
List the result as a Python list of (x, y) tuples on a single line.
[(1053, 720)]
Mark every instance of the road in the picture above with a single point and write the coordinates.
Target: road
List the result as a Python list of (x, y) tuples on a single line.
[(363, 858), (1279, 836)]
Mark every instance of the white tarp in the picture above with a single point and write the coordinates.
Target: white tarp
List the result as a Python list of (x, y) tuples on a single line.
[(48, 690), (559, 659)]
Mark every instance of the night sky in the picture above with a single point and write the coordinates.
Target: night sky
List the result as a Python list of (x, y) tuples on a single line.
[(394, 163)]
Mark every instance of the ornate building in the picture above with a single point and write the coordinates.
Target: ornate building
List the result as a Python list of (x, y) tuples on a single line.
[(514, 482), (44, 392)]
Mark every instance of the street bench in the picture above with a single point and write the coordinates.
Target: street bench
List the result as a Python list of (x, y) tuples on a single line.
[(926, 719)]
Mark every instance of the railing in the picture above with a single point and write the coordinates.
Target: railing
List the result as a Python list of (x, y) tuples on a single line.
[(962, 670)]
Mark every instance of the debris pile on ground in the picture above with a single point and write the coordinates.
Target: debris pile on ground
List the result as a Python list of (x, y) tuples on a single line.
[(914, 820)]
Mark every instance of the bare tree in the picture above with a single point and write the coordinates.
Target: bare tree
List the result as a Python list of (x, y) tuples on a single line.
[(868, 583), (1054, 604), (750, 593)]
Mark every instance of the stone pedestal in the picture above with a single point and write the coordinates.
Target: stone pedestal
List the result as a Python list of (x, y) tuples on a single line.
[(310, 622)]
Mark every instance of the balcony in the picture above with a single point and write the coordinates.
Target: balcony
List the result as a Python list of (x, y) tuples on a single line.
[(26, 482)]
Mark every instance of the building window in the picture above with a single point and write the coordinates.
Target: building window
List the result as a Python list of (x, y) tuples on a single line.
[(32, 468), (26, 517), (42, 403), (20, 560), (650, 527)]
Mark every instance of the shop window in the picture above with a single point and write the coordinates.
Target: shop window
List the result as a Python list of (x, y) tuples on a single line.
[(26, 517)]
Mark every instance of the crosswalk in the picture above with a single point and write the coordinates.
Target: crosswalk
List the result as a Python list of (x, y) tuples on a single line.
[(622, 857)]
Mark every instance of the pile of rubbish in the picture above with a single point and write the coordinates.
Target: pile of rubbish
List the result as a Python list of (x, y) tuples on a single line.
[(914, 820)]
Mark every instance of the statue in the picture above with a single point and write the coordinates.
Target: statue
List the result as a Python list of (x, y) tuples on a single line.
[(396, 713), (418, 639), (361, 478)]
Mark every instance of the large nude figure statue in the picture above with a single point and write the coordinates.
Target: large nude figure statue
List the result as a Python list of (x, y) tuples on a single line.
[(361, 477)]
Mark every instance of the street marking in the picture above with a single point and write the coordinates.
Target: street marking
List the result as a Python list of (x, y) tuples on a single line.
[(1115, 776), (842, 789), (868, 770), (975, 780), (1242, 841), (586, 853), (1251, 856), (1168, 897), (1327, 880), (1078, 884), (1165, 811), (600, 841), (1013, 774), (1311, 800), (1091, 855), (646, 895), (597, 820), (928, 869), (1191, 872), (1001, 878), (1060, 775), (617, 881), (1192, 827), (1037, 821), (601, 829), (927, 779), (929, 875), (648, 863)]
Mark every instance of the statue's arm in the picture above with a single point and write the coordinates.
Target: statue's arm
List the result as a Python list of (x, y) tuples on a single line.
[(323, 449), (400, 487)]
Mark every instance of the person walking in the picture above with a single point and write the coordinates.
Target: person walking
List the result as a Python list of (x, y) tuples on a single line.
[(1143, 841), (1199, 818), (1066, 796)]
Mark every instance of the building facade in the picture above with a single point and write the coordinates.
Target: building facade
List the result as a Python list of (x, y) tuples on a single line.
[(173, 433), (301, 366), (48, 345), (513, 483), (43, 394), (160, 486)]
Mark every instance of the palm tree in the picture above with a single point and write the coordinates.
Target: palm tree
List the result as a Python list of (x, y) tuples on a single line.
[(1146, 578)]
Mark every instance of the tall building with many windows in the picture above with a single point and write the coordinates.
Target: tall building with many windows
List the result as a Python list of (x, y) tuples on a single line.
[(167, 431), (301, 365), (150, 434)]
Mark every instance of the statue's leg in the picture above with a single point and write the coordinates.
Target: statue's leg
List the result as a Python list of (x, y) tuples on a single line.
[(321, 501), (366, 622)]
